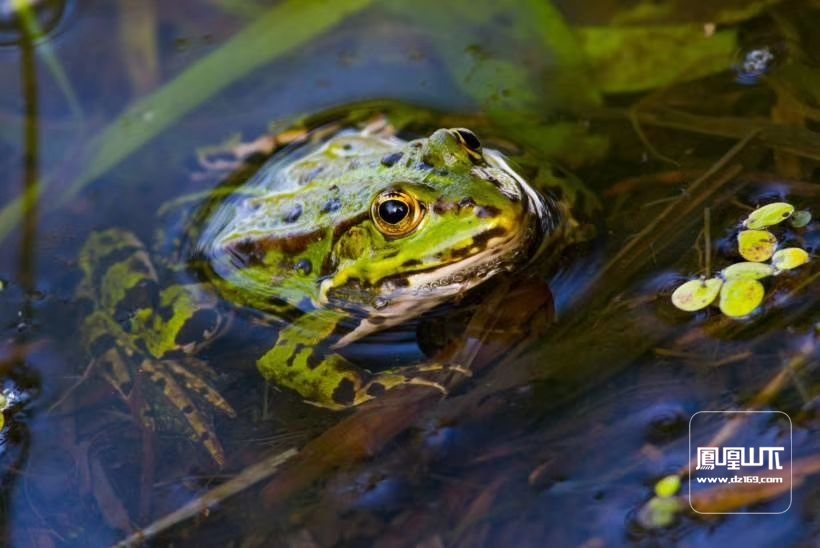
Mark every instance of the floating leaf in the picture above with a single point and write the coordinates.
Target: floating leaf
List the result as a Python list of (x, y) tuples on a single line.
[(659, 512), (791, 257), (800, 218), (696, 294), (747, 271), (740, 297), (769, 215), (756, 245), (668, 486)]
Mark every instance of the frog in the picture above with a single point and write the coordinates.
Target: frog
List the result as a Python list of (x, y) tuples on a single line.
[(335, 238)]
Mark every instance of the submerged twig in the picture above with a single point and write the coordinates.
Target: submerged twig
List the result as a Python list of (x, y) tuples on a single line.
[(795, 139), (698, 192), (248, 477), (707, 241)]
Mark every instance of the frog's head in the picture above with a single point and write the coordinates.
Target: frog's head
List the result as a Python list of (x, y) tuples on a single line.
[(445, 216)]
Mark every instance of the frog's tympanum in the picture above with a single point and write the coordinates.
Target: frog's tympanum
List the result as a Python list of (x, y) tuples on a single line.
[(343, 238)]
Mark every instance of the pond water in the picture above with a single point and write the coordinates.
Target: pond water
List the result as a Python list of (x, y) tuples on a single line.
[(657, 127)]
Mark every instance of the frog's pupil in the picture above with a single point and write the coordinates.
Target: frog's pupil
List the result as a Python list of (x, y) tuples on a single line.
[(393, 211)]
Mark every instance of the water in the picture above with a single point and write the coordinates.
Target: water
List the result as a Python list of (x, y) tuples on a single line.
[(560, 436)]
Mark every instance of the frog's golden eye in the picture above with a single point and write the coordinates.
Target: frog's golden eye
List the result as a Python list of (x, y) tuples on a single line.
[(469, 141), (396, 213)]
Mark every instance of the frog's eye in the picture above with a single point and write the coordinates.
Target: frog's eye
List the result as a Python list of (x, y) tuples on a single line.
[(396, 213), (469, 141)]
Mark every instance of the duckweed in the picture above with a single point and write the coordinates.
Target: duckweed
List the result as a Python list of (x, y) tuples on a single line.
[(756, 245), (769, 215), (696, 294), (790, 257), (740, 291), (740, 297), (747, 271)]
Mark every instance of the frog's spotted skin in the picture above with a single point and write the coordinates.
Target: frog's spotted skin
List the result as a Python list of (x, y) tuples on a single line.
[(342, 238), (307, 232), (137, 331)]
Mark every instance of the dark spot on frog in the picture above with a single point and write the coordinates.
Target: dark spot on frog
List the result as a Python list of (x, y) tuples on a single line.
[(411, 262), (344, 393), (194, 331), (376, 389), (333, 188), (442, 206), (460, 253), (425, 164), (144, 294), (334, 204), (466, 202), (187, 410), (307, 178), (293, 215), (247, 252), (303, 267), (482, 239), (296, 351), (389, 160), (314, 360), (487, 212)]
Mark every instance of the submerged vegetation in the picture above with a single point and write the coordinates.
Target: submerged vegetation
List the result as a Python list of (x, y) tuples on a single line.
[(692, 136)]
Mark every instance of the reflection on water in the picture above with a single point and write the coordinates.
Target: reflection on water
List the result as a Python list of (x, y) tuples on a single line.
[(560, 435)]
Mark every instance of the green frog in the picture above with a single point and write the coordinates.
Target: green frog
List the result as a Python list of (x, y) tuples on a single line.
[(342, 236)]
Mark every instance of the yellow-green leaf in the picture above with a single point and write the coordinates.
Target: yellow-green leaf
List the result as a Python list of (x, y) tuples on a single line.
[(668, 486), (659, 512), (769, 215), (791, 257), (747, 271), (696, 294), (756, 245), (740, 297)]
